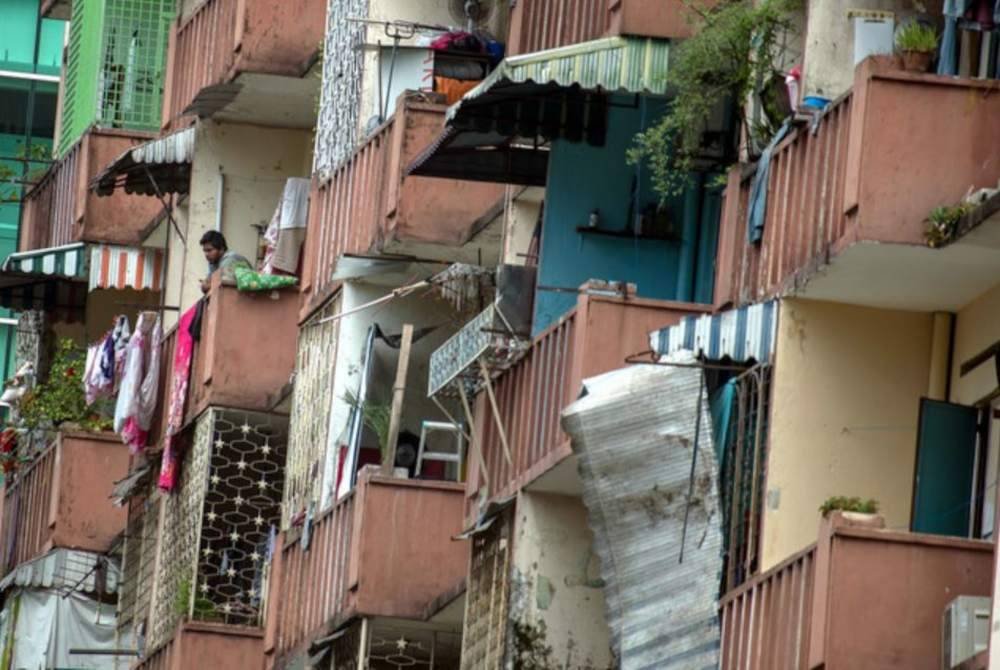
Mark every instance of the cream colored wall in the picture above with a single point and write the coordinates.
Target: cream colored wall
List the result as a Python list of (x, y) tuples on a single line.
[(828, 69), (845, 402), (256, 161), (977, 327), (520, 218), (556, 580)]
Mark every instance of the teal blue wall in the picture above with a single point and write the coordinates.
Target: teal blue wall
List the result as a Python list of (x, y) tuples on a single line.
[(28, 44), (19, 32), (583, 178)]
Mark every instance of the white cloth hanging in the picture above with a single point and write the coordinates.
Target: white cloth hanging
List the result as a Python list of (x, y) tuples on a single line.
[(131, 405)]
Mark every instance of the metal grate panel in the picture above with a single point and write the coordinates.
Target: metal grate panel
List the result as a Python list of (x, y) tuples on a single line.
[(488, 597), (307, 445), (114, 67), (338, 126), (139, 561)]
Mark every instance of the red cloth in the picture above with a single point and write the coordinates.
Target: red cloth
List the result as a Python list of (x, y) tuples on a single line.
[(178, 395)]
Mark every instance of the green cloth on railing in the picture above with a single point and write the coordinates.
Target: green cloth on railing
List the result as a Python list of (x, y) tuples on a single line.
[(249, 280)]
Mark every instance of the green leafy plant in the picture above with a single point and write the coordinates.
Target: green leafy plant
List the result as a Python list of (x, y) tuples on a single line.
[(942, 224), (60, 398), (915, 36), (376, 415), (730, 56), (204, 609), (845, 504)]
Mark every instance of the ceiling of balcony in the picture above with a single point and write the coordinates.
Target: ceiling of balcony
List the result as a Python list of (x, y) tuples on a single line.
[(270, 100), (912, 277)]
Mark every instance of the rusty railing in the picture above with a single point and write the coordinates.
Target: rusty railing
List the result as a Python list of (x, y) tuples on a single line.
[(51, 207), (27, 510), (203, 51), (313, 585), (766, 621), (530, 396), (347, 211), (546, 24), (805, 213)]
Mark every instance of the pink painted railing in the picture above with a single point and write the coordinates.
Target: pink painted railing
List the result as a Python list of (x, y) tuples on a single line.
[(805, 213), (766, 621), (311, 586), (27, 510), (544, 24), (597, 336), (50, 209), (202, 51), (530, 397), (346, 212)]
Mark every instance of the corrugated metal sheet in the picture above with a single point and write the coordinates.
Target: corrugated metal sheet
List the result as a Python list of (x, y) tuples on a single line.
[(635, 65), (174, 148), (126, 267), (64, 261), (660, 550), (166, 160), (64, 569), (740, 334)]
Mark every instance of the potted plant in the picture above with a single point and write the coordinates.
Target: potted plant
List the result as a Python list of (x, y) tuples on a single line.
[(917, 44)]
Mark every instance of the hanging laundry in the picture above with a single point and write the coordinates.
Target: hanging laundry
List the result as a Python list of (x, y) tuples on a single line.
[(137, 393), (102, 373), (178, 395), (287, 230)]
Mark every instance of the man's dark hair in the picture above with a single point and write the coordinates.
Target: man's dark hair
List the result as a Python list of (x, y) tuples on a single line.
[(216, 239)]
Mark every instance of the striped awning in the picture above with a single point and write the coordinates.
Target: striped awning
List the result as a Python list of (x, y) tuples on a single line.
[(52, 279), (743, 334), (156, 167), (498, 130), (118, 267), (65, 261)]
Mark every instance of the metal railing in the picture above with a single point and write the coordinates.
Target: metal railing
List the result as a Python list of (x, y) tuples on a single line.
[(766, 621), (204, 50), (27, 510)]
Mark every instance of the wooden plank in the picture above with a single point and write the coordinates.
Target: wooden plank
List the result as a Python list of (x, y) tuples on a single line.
[(398, 393)]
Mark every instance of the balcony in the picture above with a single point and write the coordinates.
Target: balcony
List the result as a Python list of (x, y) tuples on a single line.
[(597, 336), (536, 25), (368, 205), (847, 201), (245, 61), (206, 645), (372, 554), (48, 503), (61, 208), (815, 610), (245, 355)]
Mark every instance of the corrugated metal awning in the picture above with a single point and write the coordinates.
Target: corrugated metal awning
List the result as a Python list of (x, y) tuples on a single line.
[(65, 570), (52, 279), (158, 166), (739, 334), (495, 132), (139, 268)]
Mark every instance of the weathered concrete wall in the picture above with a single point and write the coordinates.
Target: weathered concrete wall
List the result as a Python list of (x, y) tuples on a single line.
[(845, 402), (557, 597), (87, 467)]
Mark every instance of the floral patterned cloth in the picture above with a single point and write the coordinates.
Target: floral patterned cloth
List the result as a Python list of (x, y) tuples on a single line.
[(248, 280)]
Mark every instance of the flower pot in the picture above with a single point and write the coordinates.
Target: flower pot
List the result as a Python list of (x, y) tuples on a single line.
[(917, 61)]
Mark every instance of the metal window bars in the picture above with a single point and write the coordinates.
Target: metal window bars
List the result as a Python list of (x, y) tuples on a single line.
[(744, 461)]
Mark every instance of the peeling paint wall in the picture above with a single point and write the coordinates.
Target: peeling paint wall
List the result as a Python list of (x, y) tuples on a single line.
[(845, 402), (557, 599)]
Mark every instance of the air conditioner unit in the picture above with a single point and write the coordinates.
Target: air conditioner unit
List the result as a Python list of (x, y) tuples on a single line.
[(965, 629)]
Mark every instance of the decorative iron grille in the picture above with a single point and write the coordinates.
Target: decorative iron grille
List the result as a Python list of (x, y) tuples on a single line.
[(743, 475), (487, 597), (115, 66), (338, 126), (139, 561), (217, 528), (394, 646), (307, 441)]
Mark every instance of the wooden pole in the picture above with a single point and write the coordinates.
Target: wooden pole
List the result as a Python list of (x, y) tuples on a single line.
[(398, 392), (474, 439)]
